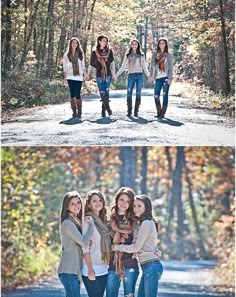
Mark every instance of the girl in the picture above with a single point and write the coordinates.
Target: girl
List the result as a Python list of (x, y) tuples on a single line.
[(145, 245), (74, 70), (97, 255), (102, 59), (122, 265), (72, 242), (135, 61), (161, 71)]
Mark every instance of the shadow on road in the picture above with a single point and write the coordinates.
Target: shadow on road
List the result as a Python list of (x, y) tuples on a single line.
[(169, 122)]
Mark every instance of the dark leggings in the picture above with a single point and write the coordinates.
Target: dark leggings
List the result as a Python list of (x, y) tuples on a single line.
[(96, 287), (75, 88)]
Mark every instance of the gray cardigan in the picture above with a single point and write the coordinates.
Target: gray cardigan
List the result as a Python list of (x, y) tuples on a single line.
[(169, 66), (72, 242)]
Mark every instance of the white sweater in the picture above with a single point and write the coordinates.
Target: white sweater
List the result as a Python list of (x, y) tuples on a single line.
[(68, 68), (99, 267)]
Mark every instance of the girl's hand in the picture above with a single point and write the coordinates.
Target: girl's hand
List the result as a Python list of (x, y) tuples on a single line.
[(169, 81), (115, 77), (88, 219), (86, 76), (115, 247), (157, 253), (65, 82), (151, 79), (91, 274)]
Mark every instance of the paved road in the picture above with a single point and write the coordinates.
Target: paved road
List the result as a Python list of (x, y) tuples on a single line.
[(180, 279), (182, 126)]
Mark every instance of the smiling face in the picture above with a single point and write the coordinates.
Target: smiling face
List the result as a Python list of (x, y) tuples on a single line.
[(75, 206), (162, 45), (96, 204), (123, 204), (134, 45), (139, 207), (103, 42), (74, 44)]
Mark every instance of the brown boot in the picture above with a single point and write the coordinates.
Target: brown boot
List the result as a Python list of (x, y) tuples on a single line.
[(129, 107), (103, 110), (136, 107), (163, 111), (79, 107), (73, 107), (158, 108), (105, 100)]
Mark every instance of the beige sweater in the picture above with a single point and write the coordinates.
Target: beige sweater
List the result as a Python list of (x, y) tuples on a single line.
[(145, 243), (72, 241), (68, 69), (140, 66)]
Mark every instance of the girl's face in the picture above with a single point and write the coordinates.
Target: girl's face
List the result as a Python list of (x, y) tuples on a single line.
[(103, 42), (123, 203), (74, 44), (75, 206), (162, 45), (139, 207), (134, 45), (96, 204)]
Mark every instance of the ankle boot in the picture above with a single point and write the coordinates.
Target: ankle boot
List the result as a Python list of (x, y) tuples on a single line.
[(73, 107), (79, 107), (136, 107), (103, 110), (129, 106), (163, 111), (158, 108)]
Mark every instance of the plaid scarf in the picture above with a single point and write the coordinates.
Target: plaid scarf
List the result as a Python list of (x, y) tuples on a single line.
[(161, 61), (74, 60), (102, 59), (120, 231), (105, 237)]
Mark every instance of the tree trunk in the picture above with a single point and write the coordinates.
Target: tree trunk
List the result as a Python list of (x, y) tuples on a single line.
[(128, 167), (144, 171), (6, 37), (50, 39)]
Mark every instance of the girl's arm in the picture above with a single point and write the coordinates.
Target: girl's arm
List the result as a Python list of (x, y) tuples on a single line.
[(122, 68), (71, 230), (170, 68), (65, 69), (142, 236), (113, 69), (145, 67), (152, 68), (91, 273)]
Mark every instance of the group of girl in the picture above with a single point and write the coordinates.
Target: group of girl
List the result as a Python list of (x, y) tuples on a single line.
[(161, 72), (103, 253)]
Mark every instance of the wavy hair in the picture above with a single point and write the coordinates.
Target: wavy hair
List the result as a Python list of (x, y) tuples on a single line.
[(166, 45), (99, 38), (78, 49), (65, 205)]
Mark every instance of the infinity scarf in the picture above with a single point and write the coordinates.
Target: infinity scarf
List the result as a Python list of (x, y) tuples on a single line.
[(120, 231), (160, 59), (105, 237), (102, 59), (74, 60)]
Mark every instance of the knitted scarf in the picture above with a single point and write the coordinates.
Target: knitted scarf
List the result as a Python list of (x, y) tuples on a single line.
[(74, 60), (105, 237), (132, 58), (102, 59), (160, 60), (76, 221), (120, 231)]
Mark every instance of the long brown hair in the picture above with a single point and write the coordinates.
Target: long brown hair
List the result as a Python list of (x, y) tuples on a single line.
[(166, 45), (139, 51), (65, 205), (99, 38), (129, 212), (103, 212), (147, 215), (78, 49)]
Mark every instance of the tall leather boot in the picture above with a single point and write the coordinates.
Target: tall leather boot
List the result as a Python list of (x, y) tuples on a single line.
[(129, 108), (158, 108), (79, 108), (73, 107), (105, 100), (103, 110), (163, 111), (136, 107)]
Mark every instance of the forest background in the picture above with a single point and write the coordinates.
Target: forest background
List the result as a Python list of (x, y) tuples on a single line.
[(191, 188), (35, 35)]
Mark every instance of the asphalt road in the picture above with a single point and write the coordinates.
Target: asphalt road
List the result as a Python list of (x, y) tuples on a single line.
[(183, 125), (180, 279)]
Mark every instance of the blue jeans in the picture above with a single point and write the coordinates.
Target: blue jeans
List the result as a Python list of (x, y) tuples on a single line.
[(96, 287), (104, 85), (113, 282), (159, 84), (148, 286), (70, 283), (135, 78)]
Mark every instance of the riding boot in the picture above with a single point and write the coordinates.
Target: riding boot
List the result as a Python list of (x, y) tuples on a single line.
[(158, 107), (129, 106), (136, 107), (105, 100), (79, 107), (103, 110), (73, 107), (163, 111)]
